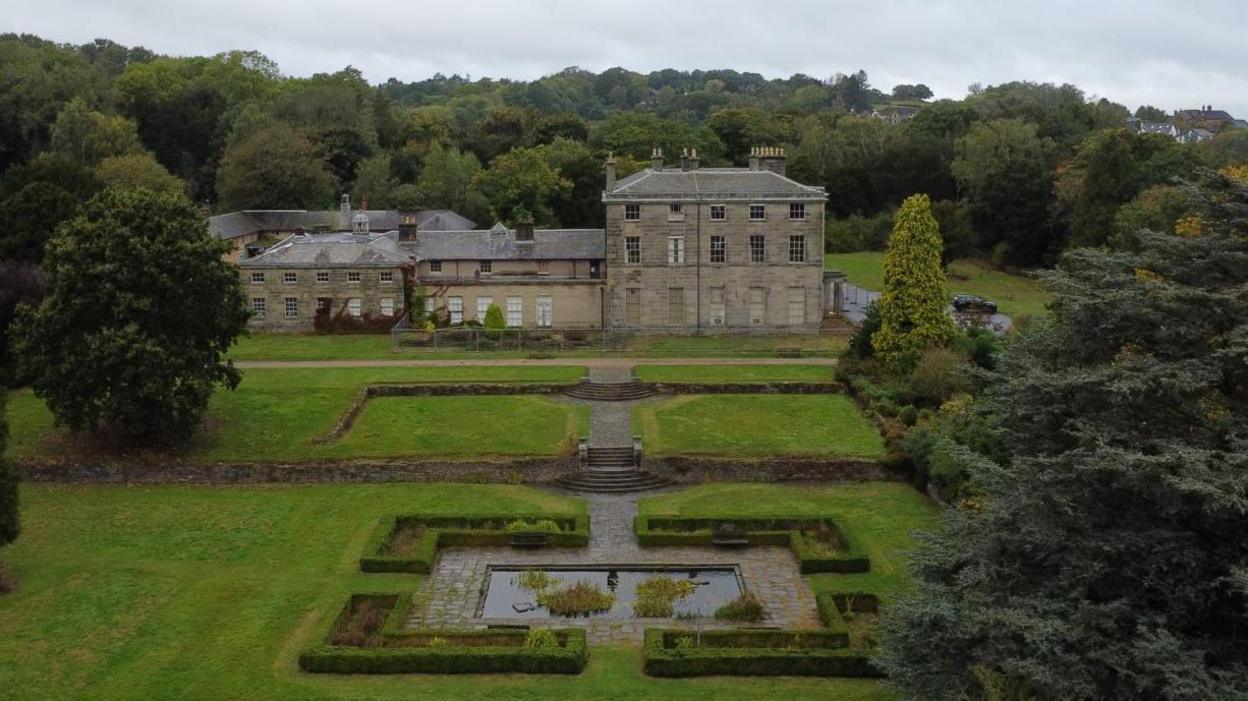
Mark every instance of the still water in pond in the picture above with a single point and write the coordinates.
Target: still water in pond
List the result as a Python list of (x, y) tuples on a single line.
[(506, 598)]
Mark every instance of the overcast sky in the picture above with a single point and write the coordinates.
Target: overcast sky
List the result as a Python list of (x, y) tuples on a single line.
[(1167, 53)]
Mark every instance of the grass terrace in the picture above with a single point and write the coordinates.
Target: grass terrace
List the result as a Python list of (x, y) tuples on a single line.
[(276, 414), (1015, 295), (212, 593), (722, 374), (754, 425)]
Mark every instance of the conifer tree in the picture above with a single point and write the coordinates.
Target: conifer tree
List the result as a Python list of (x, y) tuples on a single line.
[(913, 314), (1106, 559)]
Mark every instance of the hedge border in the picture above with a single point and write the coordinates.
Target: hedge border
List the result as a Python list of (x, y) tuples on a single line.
[(445, 531), (849, 558), (450, 659), (831, 661)]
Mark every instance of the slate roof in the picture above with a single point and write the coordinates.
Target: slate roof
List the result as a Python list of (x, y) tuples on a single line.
[(342, 249), (711, 183), (1158, 128), (499, 243), (253, 221)]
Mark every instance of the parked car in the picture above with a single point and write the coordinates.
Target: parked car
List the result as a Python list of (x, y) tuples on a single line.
[(971, 303)]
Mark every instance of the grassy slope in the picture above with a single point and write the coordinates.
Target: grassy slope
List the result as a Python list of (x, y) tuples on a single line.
[(735, 373), (278, 346), (1015, 295), (757, 425), (881, 516), (181, 592), (275, 413)]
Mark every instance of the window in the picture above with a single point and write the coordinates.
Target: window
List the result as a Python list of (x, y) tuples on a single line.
[(290, 278), (455, 309), (435, 266), (543, 267), (387, 306), (386, 277), (632, 212), (675, 306), (675, 212), (719, 212), (257, 278), (758, 212), (797, 210), (258, 306), (797, 249), (291, 307), (758, 305), (355, 307), (632, 250), (632, 306), (545, 311), (717, 306), (487, 267), (515, 311), (719, 250), (483, 306), (797, 306), (322, 276), (758, 248), (675, 250), (353, 276)]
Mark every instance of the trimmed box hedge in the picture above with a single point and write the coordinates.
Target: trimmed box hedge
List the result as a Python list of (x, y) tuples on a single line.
[(744, 652), (470, 651), (779, 530), (449, 531)]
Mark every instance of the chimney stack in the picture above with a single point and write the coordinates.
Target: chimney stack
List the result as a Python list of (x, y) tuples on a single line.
[(693, 158), (767, 158), (524, 229), (344, 205), (684, 159), (408, 226), (610, 171), (656, 158)]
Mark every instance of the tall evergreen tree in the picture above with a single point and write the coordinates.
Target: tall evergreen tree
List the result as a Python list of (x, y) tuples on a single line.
[(1108, 559), (912, 309)]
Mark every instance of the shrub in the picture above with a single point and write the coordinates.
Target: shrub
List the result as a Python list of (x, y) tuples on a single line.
[(860, 345), (857, 233), (579, 599), (909, 415), (544, 525), (494, 322), (754, 653), (940, 374), (981, 346), (746, 607), (540, 638), (656, 595)]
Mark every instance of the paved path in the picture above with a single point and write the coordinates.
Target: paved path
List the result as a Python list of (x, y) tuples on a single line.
[(592, 362), (452, 592)]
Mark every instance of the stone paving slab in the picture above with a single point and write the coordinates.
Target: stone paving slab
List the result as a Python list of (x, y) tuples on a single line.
[(452, 592)]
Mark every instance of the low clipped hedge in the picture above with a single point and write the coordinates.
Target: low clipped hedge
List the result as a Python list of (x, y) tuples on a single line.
[(779, 530), (448, 531), (744, 652), (398, 651)]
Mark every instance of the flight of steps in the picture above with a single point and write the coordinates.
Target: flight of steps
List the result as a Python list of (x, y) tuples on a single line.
[(609, 391), (611, 470)]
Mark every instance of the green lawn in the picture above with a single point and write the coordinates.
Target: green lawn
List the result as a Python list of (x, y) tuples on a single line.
[(880, 516), (1015, 295), (285, 346), (719, 374), (178, 592), (276, 413), (754, 425)]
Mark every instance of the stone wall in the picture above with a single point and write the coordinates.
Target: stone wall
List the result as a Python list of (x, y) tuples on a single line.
[(528, 470), (780, 469), (274, 290)]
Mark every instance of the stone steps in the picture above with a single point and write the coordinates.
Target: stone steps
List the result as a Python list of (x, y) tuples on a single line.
[(611, 481), (609, 391), (610, 459)]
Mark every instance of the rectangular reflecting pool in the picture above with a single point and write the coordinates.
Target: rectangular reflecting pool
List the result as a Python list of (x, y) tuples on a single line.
[(509, 591)]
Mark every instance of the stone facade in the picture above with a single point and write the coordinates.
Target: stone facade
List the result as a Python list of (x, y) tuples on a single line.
[(714, 249), (269, 289)]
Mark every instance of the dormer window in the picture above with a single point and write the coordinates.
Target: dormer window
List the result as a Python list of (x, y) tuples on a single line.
[(487, 267), (435, 266)]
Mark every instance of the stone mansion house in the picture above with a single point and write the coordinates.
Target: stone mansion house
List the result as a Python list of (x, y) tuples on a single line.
[(685, 249)]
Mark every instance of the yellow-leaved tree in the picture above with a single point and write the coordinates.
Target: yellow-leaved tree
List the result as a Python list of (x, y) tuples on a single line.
[(912, 310)]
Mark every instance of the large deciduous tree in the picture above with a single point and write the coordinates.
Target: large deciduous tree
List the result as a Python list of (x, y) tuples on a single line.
[(274, 168), (1106, 559), (522, 179), (139, 312), (913, 307)]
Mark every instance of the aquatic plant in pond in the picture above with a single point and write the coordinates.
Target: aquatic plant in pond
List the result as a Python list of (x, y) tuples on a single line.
[(579, 599), (746, 607), (656, 595), (525, 593)]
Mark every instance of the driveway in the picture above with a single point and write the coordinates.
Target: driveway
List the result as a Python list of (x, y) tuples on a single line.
[(857, 299)]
